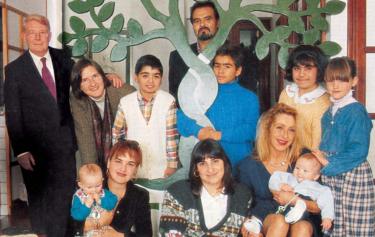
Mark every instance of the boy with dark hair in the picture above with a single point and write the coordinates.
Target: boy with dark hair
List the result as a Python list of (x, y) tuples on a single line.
[(234, 113), (148, 116)]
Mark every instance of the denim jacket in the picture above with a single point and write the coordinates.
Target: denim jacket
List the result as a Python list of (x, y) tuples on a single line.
[(345, 138)]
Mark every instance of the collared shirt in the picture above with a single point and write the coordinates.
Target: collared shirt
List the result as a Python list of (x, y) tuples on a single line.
[(307, 98), (337, 104), (120, 127), (39, 64), (214, 207)]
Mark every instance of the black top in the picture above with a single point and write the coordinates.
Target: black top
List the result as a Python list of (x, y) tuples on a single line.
[(132, 215)]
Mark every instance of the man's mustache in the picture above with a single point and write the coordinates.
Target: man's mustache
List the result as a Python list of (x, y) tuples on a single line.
[(204, 28)]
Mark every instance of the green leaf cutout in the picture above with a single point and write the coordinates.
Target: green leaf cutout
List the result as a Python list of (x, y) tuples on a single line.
[(285, 3), (95, 3), (334, 7), (77, 24), (296, 24), (79, 7), (311, 3), (311, 36), (80, 47), (117, 23), (106, 11), (330, 48), (134, 28), (119, 52), (65, 37), (262, 47), (283, 56), (99, 43), (320, 23)]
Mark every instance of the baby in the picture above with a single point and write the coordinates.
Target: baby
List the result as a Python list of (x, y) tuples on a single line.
[(303, 181), (91, 199)]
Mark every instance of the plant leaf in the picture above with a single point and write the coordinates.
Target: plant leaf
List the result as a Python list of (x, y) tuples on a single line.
[(117, 23), (134, 28), (330, 48), (262, 47), (79, 48), (280, 33), (311, 36), (106, 11), (77, 24), (119, 52), (283, 56), (334, 7), (99, 43), (78, 6)]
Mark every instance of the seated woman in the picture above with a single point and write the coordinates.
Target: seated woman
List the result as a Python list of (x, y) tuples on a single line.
[(131, 217), (94, 104), (277, 148), (210, 202)]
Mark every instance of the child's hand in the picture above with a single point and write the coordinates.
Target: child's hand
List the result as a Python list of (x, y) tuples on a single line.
[(326, 223), (89, 201), (321, 157), (97, 198), (204, 133), (169, 171), (286, 188), (216, 135)]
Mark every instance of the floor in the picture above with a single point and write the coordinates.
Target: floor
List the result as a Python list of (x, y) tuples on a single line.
[(16, 224)]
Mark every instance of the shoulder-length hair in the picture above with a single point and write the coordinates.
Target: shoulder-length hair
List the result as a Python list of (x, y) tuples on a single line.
[(306, 55), (204, 149), (76, 76), (263, 145)]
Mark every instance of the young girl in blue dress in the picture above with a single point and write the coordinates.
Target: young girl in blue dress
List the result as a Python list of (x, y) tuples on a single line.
[(346, 128)]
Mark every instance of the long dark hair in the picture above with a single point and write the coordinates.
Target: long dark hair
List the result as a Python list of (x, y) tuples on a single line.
[(209, 148), (76, 77)]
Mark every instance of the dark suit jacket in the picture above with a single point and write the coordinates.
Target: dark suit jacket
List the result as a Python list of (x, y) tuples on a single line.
[(43, 126), (36, 123), (83, 121)]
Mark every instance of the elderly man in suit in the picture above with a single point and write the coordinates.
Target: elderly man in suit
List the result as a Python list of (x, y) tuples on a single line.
[(40, 127)]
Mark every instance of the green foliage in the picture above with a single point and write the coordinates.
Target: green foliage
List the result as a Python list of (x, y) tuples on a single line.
[(279, 35)]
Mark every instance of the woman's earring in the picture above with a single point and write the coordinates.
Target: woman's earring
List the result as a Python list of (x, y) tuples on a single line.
[(195, 173)]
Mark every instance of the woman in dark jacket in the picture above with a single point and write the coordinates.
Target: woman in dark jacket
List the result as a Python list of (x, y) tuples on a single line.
[(132, 215)]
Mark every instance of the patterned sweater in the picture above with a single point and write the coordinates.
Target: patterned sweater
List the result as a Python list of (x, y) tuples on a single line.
[(183, 212)]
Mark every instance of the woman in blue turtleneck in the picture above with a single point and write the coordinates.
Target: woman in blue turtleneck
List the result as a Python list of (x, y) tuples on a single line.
[(234, 113)]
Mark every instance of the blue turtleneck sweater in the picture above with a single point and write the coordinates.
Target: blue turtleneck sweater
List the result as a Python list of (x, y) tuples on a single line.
[(234, 113)]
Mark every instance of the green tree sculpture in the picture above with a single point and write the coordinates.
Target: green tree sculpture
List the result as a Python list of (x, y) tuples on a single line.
[(198, 88)]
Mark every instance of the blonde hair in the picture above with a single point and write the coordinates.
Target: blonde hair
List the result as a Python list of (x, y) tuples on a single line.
[(263, 146), (38, 18), (89, 169)]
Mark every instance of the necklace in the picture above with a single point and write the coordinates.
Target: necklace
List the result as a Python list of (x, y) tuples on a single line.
[(278, 164)]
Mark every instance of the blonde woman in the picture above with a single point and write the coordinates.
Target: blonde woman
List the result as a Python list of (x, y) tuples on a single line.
[(277, 148)]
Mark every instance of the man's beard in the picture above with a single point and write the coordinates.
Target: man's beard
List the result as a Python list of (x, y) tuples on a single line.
[(205, 36)]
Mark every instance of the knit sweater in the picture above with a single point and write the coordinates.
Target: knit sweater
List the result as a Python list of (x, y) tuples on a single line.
[(183, 212), (309, 115), (234, 113)]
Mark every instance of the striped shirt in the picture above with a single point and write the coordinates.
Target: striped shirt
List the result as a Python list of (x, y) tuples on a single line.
[(119, 127)]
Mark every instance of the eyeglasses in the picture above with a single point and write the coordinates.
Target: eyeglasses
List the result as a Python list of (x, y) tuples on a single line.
[(35, 34)]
